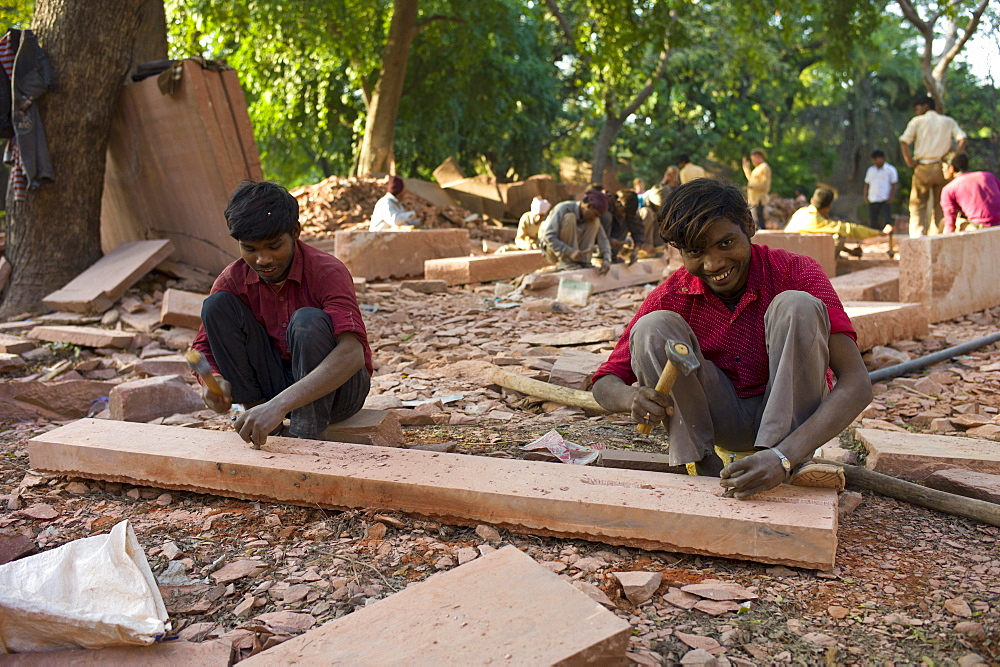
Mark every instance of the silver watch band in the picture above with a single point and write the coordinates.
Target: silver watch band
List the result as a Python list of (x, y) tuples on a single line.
[(785, 463)]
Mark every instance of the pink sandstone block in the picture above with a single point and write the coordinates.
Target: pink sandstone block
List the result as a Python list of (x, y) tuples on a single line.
[(875, 284), (470, 615), (159, 396), (182, 309), (951, 274), (916, 455), (502, 266), (787, 525), (881, 323), (818, 246), (373, 255)]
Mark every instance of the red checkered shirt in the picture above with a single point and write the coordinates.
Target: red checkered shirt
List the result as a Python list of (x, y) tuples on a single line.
[(734, 340)]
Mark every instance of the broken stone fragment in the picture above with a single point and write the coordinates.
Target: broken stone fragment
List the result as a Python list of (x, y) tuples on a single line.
[(639, 586)]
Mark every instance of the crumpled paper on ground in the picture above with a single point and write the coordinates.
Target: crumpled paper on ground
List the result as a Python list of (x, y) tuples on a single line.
[(94, 592), (564, 450)]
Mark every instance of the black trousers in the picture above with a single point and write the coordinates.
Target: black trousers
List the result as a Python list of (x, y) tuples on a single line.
[(249, 361), (879, 214)]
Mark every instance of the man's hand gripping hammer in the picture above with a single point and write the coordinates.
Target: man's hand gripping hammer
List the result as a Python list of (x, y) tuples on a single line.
[(680, 359)]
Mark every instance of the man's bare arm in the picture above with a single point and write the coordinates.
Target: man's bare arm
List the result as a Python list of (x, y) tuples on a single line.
[(616, 396)]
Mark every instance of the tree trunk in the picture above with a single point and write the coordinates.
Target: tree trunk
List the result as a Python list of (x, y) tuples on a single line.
[(380, 123), (55, 234), (602, 148), (151, 37)]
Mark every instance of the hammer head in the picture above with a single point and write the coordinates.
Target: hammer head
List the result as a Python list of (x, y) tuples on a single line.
[(682, 356)]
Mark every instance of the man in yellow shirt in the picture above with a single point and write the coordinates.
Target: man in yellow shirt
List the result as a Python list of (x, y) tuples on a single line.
[(814, 219), (758, 185), (689, 171)]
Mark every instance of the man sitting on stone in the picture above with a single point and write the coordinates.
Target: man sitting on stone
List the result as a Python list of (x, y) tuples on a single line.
[(571, 231), (527, 226), (815, 219), (626, 222), (282, 329), (767, 328), (973, 194), (389, 214)]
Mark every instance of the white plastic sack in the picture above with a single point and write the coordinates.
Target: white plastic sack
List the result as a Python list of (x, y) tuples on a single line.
[(91, 593)]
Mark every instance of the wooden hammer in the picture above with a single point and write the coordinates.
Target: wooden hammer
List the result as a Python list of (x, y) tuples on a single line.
[(680, 359)]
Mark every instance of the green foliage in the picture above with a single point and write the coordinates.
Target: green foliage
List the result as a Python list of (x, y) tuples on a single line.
[(17, 14)]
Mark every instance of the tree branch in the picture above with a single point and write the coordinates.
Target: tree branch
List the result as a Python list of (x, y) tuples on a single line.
[(910, 14), (563, 23), (970, 29), (438, 17)]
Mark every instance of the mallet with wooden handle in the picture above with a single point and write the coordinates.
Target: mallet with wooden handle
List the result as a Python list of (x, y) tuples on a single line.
[(196, 360), (680, 359)]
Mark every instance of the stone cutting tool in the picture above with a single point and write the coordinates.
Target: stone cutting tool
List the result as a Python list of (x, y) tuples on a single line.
[(680, 359)]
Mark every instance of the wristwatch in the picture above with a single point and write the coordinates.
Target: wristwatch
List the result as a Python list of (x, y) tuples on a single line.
[(785, 463)]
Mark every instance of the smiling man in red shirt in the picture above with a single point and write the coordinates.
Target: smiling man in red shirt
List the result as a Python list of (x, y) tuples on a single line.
[(282, 329), (766, 326)]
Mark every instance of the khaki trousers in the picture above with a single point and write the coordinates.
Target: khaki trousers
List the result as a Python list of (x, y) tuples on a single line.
[(707, 410), (925, 197)]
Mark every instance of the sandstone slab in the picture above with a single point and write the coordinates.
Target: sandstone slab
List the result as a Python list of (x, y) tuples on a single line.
[(620, 275), (15, 344), (875, 284), (470, 615), (879, 323), (97, 288), (215, 653), (373, 255), (818, 246), (160, 396), (574, 368), (82, 336), (502, 266), (915, 456), (786, 525), (181, 309), (639, 586), (368, 427), (946, 272), (968, 483)]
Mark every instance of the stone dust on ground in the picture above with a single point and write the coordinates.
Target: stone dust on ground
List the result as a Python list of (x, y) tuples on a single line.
[(911, 586)]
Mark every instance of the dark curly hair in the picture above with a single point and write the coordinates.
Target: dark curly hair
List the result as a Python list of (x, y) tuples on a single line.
[(690, 208), (258, 211)]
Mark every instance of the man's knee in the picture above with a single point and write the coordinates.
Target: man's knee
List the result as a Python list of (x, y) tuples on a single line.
[(792, 305), (659, 324), (309, 322), (220, 305)]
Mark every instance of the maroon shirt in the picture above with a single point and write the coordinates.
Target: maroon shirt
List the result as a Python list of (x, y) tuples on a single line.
[(315, 279), (734, 340)]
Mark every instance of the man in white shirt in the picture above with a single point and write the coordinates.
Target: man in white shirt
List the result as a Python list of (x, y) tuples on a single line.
[(389, 214), (931, 135), (881, 182), (689, 171)]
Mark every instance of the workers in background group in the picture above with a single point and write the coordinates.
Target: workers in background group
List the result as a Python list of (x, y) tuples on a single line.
[(932, 136), (815, 219), (528, 225), (688, 170), (973, 194), (758, 185), (625, 222), (652, 201), (881, 182), (389, 213), (572, 230)]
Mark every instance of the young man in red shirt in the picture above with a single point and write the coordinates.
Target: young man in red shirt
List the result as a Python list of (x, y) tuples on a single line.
[(282, 329), (766, 326)]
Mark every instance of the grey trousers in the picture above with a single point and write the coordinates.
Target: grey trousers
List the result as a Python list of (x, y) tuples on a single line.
[(707, 410), (577, 236)]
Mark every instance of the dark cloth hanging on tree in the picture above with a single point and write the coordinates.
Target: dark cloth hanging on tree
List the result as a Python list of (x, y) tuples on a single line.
[(27, 75)]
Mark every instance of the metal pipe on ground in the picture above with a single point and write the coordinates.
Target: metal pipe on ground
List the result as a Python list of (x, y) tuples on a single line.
[(891, 372)]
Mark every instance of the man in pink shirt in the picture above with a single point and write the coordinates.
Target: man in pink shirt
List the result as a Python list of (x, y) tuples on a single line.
[(974, 194), (766, 326)]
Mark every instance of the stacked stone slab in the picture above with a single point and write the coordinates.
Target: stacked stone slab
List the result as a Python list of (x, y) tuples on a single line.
[(818, 246), (917, 455), (950, 274), (876, 284), (881, 323), (374, 255), (503, 266)]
